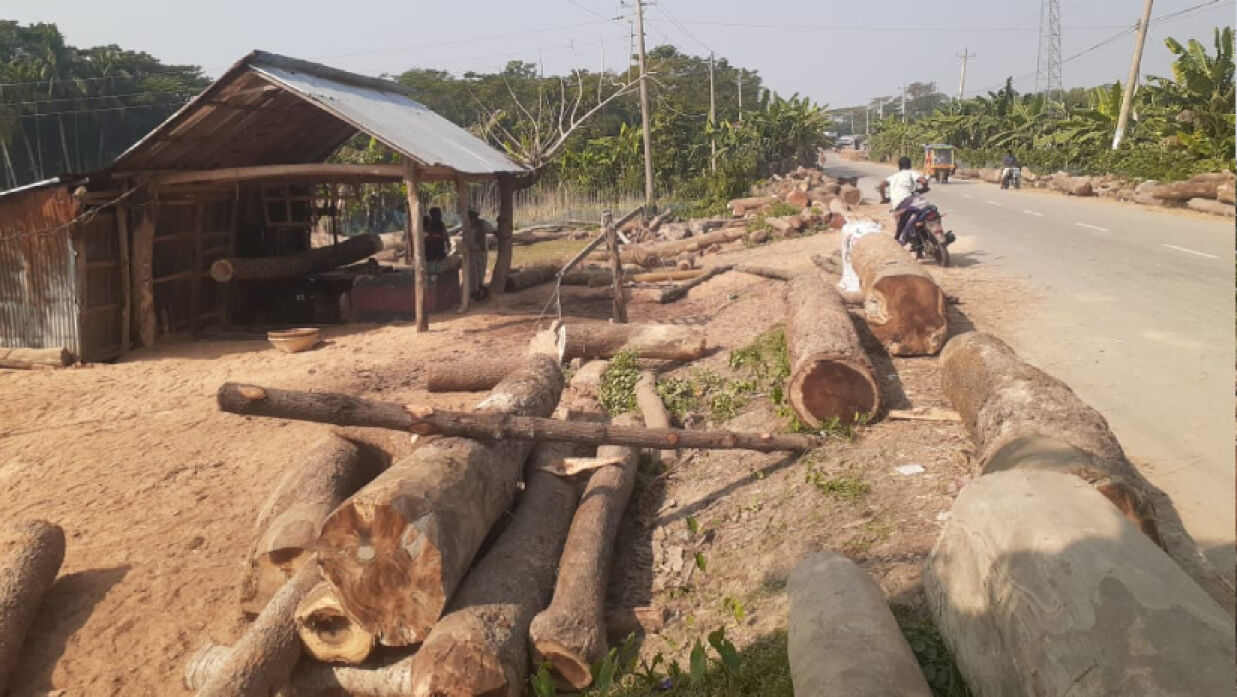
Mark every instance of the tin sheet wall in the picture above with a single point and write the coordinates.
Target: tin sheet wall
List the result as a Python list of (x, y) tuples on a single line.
[(38, 274)]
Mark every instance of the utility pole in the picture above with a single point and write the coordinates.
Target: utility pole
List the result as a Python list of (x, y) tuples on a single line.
[(1132, 81), (644, 112), (965, 55), (712, 119), (738, 79), (903, 103), (867, 121)]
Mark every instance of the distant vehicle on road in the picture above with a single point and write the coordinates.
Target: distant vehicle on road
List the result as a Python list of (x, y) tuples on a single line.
[(938, 162), (844, 142)]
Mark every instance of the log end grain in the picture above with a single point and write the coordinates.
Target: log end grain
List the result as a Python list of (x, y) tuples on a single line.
[(222, 271), (327, 631), (919, 326), (833, 387)]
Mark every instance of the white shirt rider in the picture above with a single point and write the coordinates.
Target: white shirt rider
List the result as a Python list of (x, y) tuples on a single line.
[(901, 184)]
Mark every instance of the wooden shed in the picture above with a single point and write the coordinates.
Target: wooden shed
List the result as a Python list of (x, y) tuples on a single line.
[(100, 262)]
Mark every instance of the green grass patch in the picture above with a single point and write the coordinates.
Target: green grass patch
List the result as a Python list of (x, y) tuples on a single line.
[(844, 488)]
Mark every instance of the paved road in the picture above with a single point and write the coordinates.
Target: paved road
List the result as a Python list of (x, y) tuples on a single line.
[(1135, 313)]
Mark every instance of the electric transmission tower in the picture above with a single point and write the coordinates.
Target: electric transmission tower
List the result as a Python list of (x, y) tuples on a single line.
[(1048, 60)]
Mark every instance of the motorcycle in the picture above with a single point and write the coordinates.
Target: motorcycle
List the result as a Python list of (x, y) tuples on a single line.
[(1011, 175), (921, 227)]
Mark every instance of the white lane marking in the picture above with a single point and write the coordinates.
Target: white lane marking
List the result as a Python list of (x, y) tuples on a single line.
[(994, 203), (1037, 214), (1092, 227), (967, 196), (1191, 251)]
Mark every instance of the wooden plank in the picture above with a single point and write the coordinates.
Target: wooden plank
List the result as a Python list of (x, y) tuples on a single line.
[(224, 302), (80, 271), (101, 264), (377, 172), (143, 272), (100, 309), (126, 296), (418, 246), (461, 196), (195, 290)]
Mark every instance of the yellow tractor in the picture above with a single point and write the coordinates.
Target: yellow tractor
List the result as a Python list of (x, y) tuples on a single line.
[(938, 162)]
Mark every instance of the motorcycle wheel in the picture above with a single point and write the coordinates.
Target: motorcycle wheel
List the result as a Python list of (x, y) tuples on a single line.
[(945, 178), (941, 253)]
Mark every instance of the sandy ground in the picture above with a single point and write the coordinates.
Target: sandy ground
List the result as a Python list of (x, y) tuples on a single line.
[(158, 491)]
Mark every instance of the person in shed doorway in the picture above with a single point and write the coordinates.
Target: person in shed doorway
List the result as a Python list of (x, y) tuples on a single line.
[(435, 235), (479, 230)]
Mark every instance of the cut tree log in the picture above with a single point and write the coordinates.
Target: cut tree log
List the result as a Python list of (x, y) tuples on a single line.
[(830, 376), (904, 306), (397, 550), (1074, 186), (653, 410), (1077, 600), (31, 358), (344, 410), (312, 678), (798, 198), (1022, 418), (741, 205), (1185, 190), (31, 552), (571, 633), (263, 659), (680, 291), (1226, 193), (842, 638), (779, 224), (765, 271), (1206, 205), (327, 632), (468, 376), (670, 275), (529, 276), (481, 646), (288, 524), (838, 208), (671, 342), (649, 255), (850, 195), (312, 261)]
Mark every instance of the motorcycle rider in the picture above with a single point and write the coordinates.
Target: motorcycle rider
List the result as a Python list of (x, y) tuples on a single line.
[(1008, 165), (897, 189)]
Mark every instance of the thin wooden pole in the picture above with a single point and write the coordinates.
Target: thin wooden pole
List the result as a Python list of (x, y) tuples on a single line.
[(144, 275), (418, 246), (195, 290), (461, 196), (126, 290), (616, 267)]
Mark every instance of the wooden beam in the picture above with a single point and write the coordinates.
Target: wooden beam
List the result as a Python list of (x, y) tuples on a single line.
[(616, 267), (143, 272), (122, 235), (195, 290), (461, 197), (506, 223), (315, 170), (418, 246)]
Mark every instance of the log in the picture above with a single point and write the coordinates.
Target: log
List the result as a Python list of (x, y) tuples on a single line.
[(618, 301), (343, 410), (670, 342), (468, 376), (1074, 186), (670, 275), (741, 205), (1185, 190), (830, 376), (571, 633), (1206, 205), (311, 678), (765, 271), (1022, 418), (32, 358), (1226, 193), (842, 638), (850, 195), (649, 254), (838, 208), (779, 224), (31, 552), (653, 410), (327, 632), (398, 549), (529, 276), (481, 646), (798, 198), (680, 291), (506, 221), (312, 261), (1076, 600), (586, 278), (288, 524), (263, 659), (905, 308)]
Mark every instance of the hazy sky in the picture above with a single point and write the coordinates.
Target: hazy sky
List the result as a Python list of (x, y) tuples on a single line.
[(838, 52)]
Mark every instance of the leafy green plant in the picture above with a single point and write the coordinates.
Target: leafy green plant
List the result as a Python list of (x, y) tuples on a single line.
[(845, 488), (618, 383)]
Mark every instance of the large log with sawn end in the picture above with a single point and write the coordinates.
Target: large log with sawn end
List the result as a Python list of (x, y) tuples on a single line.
[(1185, 190), (310, 677), (1077, 600), (327, 632), (1023, 418), (28, 358), (398, 549), (468, 375), (311, 261), (830, 376), (603, 340), (30, 555), (905, 308)]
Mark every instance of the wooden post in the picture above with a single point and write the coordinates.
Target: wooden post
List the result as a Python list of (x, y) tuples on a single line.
[(126, 293), (195, 289), (225, 293), (506, 223), (143, 272), (418, 246), (461, 196), (616, 267)]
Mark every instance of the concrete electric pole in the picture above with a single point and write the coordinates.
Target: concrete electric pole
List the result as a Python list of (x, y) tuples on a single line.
[(1132, 80), (644, 111), (965, 56), (712, 119)]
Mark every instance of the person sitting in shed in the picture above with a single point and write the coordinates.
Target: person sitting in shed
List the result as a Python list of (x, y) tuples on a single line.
[(435, 236)]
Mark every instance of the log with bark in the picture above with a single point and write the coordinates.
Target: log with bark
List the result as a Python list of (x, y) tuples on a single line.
[(830, 376), (904, 306), (312, 261), (680, 291), (327, 632), (263, 660), (669, 275), (468, 376), (842, 639), (604, 340), (850, 195), (288, 524), (838, 208), (1074, 186), (765, 271), (1185, 190), (529, 276), (344, 410), (1226, 193), (652, 410), (1078, 602), (398, 549), (740, 206), (1206, 205), (648, 255), (1022, 418), (781, 225), (571, 633), (32, 358), (312, 678), (481, 646), (31, 552)]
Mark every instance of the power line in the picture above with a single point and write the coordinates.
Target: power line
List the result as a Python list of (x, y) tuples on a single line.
[(675, 20), (900, 28)]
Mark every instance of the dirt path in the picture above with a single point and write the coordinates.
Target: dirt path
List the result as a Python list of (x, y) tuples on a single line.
[(157, 491)]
